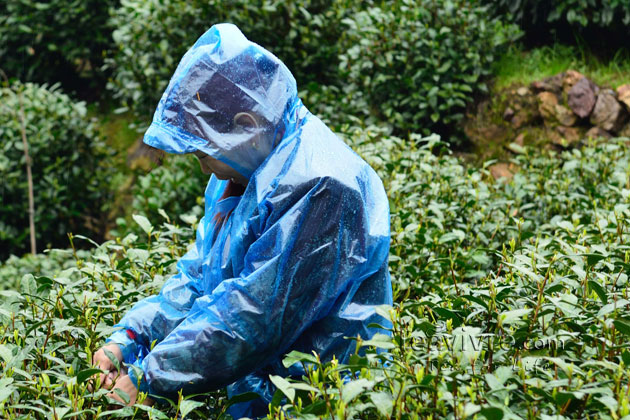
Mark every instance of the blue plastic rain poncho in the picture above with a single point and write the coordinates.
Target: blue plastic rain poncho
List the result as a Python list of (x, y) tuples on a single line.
[(298, 262)]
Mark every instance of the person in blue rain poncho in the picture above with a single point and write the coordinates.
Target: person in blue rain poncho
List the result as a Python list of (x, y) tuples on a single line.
[(291, 253)]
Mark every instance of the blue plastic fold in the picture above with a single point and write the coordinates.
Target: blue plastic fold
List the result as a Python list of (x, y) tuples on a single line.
[(298, 262)]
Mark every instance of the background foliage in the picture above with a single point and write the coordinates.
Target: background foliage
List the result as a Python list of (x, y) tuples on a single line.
[(152, 36), (599, 24), (417, 66), (54, 41), (510, 300), (71, 180)]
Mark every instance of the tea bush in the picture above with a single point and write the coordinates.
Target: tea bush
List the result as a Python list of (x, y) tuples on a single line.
[(601, 24), (417, 65), (70, 173), (14, 268), (601, 13), (511, 301), (544, 334), (174, 189), (152, 36), (51, 41)]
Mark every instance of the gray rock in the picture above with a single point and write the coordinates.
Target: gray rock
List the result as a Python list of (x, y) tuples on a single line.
[(571, 77), (547, 103), (508, 114), (596, 132), (565, 116), (623, 93), (582, 97), (550, 84), (565, 136), (608, 113)]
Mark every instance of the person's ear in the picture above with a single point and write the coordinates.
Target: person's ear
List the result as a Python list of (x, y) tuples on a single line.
[(246, 120)]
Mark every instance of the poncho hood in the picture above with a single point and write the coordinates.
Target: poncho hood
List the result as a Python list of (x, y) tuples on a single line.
[(221, 75)]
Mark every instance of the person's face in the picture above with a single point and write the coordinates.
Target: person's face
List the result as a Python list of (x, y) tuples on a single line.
[(210, 165)]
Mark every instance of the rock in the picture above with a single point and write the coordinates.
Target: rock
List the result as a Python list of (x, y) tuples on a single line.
[(508, 114), (524, 105), (521, 119), (596, 132), (523, 91), (564, 115), (625, 131), (547, 102), (623, 92), (566, 136), (571, 77), (582, 97), (552, 111), (608, 113), (550, 84), (502, 170)]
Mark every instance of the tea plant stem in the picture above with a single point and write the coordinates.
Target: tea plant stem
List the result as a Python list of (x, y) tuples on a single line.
[(29, 178)]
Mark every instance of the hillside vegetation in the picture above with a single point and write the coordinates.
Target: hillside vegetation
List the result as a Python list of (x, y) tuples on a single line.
[(510, 295)]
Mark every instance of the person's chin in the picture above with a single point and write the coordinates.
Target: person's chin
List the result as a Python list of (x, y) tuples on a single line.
[(221, 176)]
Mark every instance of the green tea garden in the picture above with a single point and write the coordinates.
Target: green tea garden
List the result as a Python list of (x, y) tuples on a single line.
[(510, 211)]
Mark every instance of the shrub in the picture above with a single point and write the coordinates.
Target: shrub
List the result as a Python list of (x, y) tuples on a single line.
[(49, 264), (71, 180), (505, 295), (152, 36), (417, 66), (51, 41), (592, 21), (51, 327), (522, 340), (174, 189)]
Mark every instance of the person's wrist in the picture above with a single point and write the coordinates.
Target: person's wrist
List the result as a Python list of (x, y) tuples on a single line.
[(125, 344), (136, 374)]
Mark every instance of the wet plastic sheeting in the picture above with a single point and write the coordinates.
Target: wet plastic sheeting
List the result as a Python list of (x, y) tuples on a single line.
[(298, 262)]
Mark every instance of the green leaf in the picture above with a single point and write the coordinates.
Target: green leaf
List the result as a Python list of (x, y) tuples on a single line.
[(5, 353), (85, 374), (295, 356), (622, 325), (380, 341), (186, 406), (144, 223), (383, 402), (283, 385), (123, 395), (599, 290), (492, 413), (112, 358), (455, 235), (353, 388), (511, 317)]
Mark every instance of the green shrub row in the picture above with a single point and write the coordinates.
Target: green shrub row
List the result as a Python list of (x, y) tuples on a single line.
[(416, 65), (511, 300), (412, 65), (543, 334), (171, 192), (71, 178), (53, 41), (152, 36), (599, 24)]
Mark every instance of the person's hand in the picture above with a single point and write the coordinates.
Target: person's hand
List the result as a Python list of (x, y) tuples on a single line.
[(124, 384), (101, 361)]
